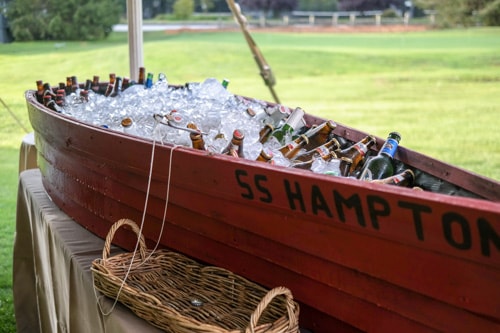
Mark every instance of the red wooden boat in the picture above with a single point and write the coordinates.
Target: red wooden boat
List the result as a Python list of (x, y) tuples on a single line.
[(357, 256)]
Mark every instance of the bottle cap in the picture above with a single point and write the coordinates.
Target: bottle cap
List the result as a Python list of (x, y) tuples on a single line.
[(238, 134), (127, 122)]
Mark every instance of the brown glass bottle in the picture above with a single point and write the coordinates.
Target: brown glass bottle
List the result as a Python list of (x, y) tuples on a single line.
[(405, 179), (74, 83), (235, 146), (196, 138), (95, 84), (265, 133), (39, 91), (357, 152), (319, 134), (307, 164), (319, 151), (69, 83), (266, 155), (291, 149), (142, 75)]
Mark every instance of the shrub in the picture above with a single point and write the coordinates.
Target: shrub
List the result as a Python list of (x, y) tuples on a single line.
[(62, 20), (183, 9), (490, 15)]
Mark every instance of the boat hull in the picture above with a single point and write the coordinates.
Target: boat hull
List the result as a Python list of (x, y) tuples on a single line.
[(357, 256)]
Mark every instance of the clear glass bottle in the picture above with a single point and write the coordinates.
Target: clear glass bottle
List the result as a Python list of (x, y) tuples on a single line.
[(357, 152), (128, 126), (235, 146), (381, 166)]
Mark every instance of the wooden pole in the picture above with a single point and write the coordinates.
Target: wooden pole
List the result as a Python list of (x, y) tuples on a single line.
[(134, 17)]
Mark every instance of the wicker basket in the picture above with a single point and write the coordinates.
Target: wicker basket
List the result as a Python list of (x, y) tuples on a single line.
[(179, 295)]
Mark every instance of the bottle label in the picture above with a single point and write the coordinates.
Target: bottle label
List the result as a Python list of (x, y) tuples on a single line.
[(322, 151), (389, 147), (361, 148)]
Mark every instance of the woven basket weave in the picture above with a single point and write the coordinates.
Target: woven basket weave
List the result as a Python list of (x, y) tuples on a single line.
[(179, 295)]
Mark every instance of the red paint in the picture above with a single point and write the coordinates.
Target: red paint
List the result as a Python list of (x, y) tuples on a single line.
[(361, 256)]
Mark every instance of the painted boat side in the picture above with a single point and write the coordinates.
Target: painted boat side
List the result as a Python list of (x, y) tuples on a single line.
[(380, 258)]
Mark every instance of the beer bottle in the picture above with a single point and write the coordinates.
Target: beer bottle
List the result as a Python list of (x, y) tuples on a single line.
[(125, 83), (357, 152), (128, 126), (84, 95), (112, 78), (320, 134), (291, 149), (330, 155), (69, 83), (284, 133), (109, 89), (265, 132), (405, 178), (88, 85), (39, 91), (149, 80), (95, 84), (235, 146), (380, 166), (117, 87), (345, 164), (266, 155), (196, 138), (320, 151), (74, 84), (142, 75), (47, 90)]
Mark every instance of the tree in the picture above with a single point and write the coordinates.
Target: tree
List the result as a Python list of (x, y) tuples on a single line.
[(62, 20), (269, 6), (463, 12), (318, 5), (490, 14), (183, 9), (370, 4)]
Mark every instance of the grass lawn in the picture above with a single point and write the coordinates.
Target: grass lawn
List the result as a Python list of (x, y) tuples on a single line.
[(439, 89)]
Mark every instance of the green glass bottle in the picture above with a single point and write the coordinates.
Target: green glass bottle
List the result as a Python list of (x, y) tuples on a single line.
[(381, 166), (284, 133)]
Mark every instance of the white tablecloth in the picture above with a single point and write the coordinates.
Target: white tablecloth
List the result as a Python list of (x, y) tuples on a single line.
[(52, 281)]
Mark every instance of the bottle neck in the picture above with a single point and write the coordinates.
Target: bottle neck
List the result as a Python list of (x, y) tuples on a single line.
[(389, 148)]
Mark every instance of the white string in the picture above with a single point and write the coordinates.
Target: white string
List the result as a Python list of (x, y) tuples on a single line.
[(142, 226)]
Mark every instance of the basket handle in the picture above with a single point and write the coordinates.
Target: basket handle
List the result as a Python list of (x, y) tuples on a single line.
[(266, 300), (111, 234)]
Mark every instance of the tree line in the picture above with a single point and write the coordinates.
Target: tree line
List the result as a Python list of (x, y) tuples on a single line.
[(94, 19)]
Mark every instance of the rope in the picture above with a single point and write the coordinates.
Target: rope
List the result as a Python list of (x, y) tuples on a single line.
[(14, 116), (142, 226)]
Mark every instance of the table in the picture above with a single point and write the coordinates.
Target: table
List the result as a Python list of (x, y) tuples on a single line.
[(52, 281)]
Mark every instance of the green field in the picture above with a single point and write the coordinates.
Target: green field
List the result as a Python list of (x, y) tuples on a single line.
[(439, 89)]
